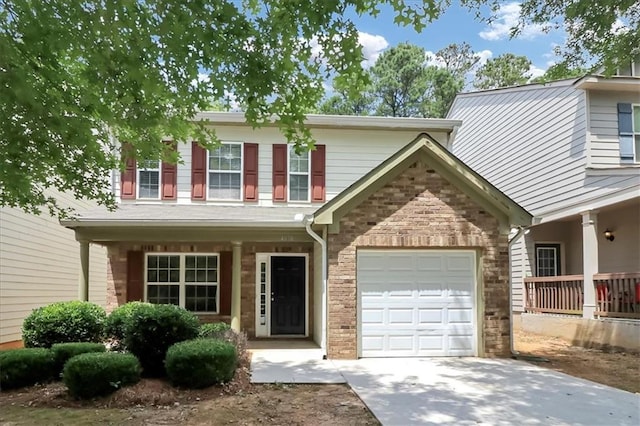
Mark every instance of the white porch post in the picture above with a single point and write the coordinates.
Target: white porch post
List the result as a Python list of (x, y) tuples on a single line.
[(590, 260), (83, 287), (236, 283)]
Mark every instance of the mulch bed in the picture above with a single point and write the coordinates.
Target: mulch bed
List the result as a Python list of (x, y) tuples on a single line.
[(147, 392)]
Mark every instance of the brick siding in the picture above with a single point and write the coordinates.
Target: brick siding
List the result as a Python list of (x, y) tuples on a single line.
[(418, 209)]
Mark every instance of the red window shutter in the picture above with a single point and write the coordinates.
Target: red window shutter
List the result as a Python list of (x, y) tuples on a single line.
[(318, 173), (128, 176), (135, 275), (226, 268), (279, 172), (169, 178), (250, 177), (198, 172)]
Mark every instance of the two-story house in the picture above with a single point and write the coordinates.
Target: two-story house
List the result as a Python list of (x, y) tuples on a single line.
[(568, 152), (379, 242)]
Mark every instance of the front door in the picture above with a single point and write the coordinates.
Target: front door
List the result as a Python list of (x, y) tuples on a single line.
[(287, 295)]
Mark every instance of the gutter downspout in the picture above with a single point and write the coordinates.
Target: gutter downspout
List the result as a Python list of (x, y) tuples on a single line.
[(308, 221), (521, 231)]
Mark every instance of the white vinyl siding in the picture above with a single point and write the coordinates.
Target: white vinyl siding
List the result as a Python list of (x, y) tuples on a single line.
[(350, 154), (40, 264), (603, 127)]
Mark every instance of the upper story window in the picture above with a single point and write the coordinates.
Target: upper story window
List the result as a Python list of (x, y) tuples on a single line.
[(631, 69), (149, 179), (629, 132), (299, 177), (225, 172)]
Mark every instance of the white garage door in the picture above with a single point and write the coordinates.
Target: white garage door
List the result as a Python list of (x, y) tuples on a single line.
[(416, 303)]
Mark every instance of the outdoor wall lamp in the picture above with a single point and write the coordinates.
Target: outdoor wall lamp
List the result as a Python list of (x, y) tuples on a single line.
[(609, 235)]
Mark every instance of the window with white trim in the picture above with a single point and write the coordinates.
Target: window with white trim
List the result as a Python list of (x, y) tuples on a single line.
[(547, 260), (299, 176), (225, 172), (149, 179), (187, 280)]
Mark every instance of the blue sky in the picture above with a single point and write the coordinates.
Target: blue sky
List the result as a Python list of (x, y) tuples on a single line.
[(458, 25)]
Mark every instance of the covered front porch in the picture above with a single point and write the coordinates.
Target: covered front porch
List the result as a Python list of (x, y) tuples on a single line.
[(261, 276), (586, 265)]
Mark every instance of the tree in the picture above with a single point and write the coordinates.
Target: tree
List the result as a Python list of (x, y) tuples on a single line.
[(77, 76), (349, 99), (502, 71), (559, 72), (604, 33), (442, 88), (459, 59), (399, 81)]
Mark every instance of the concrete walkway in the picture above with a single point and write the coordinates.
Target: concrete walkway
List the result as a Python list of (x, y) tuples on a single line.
[(460, 391)]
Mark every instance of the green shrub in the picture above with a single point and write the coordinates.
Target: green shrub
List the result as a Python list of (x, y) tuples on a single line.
[(24, 367), (62, 352), (94, 374), (116, 325), (63, 322), (153, 329), (215, 330), (201, 362)]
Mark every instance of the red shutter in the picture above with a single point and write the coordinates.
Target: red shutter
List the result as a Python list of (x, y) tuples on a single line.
[(226, 268), (169, 178), (318, 173), (279, 172), (198, 172), (135, 275), (250, 177), (128, 176)]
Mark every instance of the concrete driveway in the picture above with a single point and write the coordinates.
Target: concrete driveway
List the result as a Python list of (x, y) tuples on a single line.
[(473, 391), (455, 391)]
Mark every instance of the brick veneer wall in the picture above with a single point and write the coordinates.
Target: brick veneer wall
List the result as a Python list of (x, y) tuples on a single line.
[(117, 273), (418, 209)]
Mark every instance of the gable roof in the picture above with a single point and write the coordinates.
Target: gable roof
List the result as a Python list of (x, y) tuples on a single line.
[(445, 164)]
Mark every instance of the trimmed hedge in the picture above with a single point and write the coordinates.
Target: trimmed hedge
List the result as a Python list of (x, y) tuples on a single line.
[(24, 367), (215, 330), (100, 373), (63, 322), (62, 352), (153, 329), (201, 362), (117, 322)]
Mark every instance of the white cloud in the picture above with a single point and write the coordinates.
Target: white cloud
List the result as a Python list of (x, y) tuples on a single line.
[(432, 60), (534, 72), (372, 47), (484, 56), (507, 17)]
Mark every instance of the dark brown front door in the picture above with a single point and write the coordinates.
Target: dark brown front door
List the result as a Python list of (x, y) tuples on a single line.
[(287, 295)]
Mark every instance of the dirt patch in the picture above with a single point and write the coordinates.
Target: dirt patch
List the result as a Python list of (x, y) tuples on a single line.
[(612, 368)]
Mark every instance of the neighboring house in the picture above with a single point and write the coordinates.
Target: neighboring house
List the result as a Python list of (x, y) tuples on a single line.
[(377, 243), (568, 152), (40, 264)]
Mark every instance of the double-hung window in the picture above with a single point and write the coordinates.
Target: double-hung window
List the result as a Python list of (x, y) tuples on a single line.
[(187, 280), (225, 172), (149, 179), (636, 133), (299, 165), (547, 260)]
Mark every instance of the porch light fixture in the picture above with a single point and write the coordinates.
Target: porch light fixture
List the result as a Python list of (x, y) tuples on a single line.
[(609, 235)]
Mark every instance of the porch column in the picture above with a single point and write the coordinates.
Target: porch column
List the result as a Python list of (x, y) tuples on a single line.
[(83, 287), (236, 283), (590, 260)]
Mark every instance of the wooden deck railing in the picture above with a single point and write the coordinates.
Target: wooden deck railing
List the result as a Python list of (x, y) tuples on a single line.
[(562, 294), (618, 294)]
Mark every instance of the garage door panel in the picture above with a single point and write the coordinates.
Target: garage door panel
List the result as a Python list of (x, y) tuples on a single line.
[(416, 303)]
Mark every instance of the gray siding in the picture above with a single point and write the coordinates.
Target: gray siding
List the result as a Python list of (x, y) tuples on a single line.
[(530, 143), (40, 264), (603, 127)]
